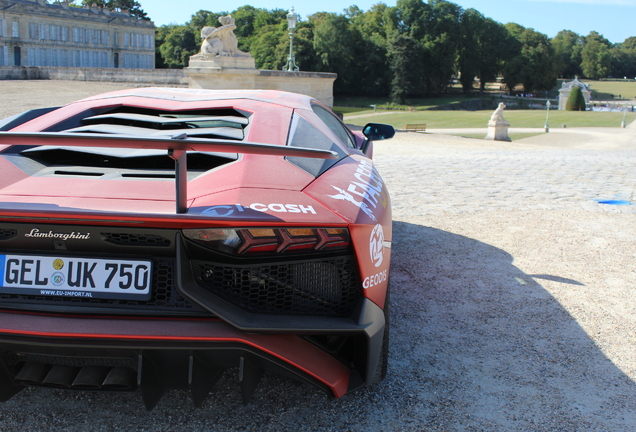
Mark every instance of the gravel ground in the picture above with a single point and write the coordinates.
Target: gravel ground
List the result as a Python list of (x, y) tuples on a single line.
[(512, 298)]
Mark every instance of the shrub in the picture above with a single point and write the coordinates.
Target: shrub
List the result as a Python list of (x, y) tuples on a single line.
[(576, 100)]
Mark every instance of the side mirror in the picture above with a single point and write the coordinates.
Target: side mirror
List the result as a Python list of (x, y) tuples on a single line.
[(377, 131)]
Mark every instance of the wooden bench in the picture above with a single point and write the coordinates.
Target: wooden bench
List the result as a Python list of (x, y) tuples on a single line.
[(415, 128)]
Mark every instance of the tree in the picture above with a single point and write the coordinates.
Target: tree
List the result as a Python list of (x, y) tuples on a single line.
[(179, 43), (470, 50), (629, 43), (337, 46), (596, 56), (483, 48), (204, 18), (533, 65), (576, 100), (249, 20), (623, 62), (624, 58), (434, 26), (132, 6), (160, 37), (264, 47), (567, 49), (373, 74), (441, 44), (404, 58), (497, 45)]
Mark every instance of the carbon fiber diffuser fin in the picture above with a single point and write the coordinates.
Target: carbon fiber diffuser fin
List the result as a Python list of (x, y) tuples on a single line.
[(202, 379), (250, 374)]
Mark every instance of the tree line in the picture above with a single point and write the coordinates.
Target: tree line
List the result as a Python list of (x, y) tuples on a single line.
[(415, 49), (132, 6)]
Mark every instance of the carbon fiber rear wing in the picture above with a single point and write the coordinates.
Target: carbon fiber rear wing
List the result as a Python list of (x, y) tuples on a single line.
[(177, 147)]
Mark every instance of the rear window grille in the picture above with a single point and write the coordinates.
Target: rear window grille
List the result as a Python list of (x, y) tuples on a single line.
[(219, 124), (224, 124)]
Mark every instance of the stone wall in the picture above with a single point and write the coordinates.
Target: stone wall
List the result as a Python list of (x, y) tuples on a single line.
[(318, 85), (161, 77)]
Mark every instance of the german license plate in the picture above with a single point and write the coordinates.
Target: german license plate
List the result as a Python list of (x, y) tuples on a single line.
[(75, 277)]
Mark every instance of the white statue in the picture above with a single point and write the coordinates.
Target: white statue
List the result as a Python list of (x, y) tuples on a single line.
[(221, 41), (497, 115), (498, 126)]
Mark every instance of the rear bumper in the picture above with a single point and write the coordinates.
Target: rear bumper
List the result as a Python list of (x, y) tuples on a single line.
[(158, 343), (336, 354)]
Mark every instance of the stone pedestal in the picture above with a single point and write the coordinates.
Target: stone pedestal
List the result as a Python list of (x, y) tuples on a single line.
[(221, 62), (240, 73), (498, 130)]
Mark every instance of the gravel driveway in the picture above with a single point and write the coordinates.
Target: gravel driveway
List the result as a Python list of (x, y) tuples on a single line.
[(512, 288)]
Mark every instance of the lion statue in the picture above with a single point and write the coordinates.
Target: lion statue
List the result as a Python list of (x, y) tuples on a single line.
[(221, 41)]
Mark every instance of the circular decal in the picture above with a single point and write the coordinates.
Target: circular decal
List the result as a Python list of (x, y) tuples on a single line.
[(376, 245), (57, 279), (58, 264), (220, 211)]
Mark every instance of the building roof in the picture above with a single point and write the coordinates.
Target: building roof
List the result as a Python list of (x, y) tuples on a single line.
[(62, 9), (575, 83)]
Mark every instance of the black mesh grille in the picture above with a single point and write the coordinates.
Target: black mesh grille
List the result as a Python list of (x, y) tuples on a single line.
[(129, 239), (7, 234), (327, 287), (164, 296)]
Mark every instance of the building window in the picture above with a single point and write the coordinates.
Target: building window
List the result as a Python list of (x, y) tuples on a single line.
[(2, 25), (4, 54), (15, 29)]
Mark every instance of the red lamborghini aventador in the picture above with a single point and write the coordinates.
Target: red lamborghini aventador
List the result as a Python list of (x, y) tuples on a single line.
[(155, 238)]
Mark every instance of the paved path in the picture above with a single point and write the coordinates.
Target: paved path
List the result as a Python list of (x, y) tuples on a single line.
[(553, 171)]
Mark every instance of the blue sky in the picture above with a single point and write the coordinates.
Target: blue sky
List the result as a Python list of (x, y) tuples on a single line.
[(614, 19)]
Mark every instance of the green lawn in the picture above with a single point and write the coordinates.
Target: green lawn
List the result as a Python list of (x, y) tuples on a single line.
[(478, 119), (347, 104), (352, 110), (613, 90)]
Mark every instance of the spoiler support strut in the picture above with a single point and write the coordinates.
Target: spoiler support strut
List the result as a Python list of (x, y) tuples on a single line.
[(181, 178)]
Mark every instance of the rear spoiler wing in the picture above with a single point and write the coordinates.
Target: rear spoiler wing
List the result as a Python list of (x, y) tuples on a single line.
[(176, 146)]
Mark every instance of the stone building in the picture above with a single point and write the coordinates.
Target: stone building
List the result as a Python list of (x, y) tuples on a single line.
[(38, 33), (566, 88)]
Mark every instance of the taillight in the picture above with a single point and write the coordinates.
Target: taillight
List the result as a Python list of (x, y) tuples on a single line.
[(271, 241)]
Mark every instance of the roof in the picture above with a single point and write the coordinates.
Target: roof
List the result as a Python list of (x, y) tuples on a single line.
[(575, 83)]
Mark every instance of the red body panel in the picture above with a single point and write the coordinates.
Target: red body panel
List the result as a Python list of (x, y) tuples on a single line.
[(355, 191)]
